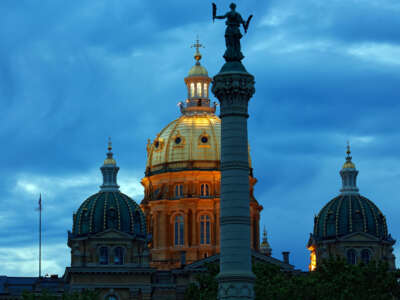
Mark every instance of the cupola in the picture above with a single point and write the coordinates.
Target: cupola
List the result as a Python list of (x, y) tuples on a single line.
[(198, 84)]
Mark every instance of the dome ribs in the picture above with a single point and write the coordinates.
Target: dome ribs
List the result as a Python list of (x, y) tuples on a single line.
[(92, 212), (118, 211), (363, 214), (105, 211), (129, 209), (338, 215)]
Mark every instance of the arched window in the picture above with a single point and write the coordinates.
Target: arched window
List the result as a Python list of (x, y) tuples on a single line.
[(179, 190), (192, 89), (365, 256), (204, 190), (103, 256), (179, 230), (351, 257), (199, 89), (119, 256), (205, 90), (111, 297), (204, 229)]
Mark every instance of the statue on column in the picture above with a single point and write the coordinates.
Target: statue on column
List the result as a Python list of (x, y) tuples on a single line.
[(232, 32)]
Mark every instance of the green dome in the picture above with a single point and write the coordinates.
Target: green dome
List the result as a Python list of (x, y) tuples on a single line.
[(198, 70), (107, 210), (349, 213)]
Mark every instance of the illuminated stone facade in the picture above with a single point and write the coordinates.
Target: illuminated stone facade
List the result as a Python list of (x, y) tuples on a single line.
[(182, 181)]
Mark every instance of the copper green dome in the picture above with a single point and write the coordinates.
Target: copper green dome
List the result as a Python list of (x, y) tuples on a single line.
[(349, 212), (109, 208)]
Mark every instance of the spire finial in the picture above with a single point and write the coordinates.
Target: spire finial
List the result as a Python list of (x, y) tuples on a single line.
[(264, 233), (109, 144), (109, 160), (197, 45), (348, 150)]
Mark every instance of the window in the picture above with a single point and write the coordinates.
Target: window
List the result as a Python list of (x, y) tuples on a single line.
[(179, 230), (199, 89), (103, 256), (205, 91), (111, 297), (365, 256), (179, 190), (192, 89), (118, 256), (351, 257), (204, 229), (204, 190)]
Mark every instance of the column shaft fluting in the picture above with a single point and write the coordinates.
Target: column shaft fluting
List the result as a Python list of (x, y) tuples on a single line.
[(233, 90)]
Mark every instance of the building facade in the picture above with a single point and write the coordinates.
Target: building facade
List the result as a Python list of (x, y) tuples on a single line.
[(183, 181)]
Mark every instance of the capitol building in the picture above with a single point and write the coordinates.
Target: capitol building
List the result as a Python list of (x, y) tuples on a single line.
[(153, 248)]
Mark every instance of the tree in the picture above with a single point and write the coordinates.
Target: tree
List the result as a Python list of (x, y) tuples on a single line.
[(334, 279)]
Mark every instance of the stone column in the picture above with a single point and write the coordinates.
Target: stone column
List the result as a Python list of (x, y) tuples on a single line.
[(234, 86)]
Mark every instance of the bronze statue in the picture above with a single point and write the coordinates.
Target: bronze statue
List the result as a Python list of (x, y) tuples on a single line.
[(232, 32)]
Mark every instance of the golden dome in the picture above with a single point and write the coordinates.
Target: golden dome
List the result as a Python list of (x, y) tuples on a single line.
[(349, 164), (198, 70), (110, 161), (189, 142)]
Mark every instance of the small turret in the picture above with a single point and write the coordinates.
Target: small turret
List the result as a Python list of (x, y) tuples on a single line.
[(265, 247), (198, 84), (349, 175), (109, 171)]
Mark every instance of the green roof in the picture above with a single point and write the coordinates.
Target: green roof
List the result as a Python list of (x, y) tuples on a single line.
[(107, 210), (349, 213)]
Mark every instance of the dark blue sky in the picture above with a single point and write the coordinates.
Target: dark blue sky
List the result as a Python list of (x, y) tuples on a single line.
[(73, 73)]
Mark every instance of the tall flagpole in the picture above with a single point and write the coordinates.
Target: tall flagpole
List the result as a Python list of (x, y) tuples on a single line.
[(40, 235)]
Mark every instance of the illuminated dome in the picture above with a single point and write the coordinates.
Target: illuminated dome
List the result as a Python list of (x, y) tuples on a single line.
[(109, 208), (190, 142)]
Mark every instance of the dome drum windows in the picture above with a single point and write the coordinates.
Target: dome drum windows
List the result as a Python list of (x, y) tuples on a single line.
[(178, 191), (204, 190), (117, 256)]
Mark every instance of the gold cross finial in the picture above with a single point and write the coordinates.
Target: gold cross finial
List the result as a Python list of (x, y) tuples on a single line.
[(197, 45)]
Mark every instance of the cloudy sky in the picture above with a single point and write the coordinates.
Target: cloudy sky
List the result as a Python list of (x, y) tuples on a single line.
[(73, 73)]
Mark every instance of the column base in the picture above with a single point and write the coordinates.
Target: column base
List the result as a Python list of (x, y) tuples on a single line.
[(236, 286)]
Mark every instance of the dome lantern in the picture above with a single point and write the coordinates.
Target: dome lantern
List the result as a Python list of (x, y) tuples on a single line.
[(198, 83), (349, 175), (109, 171)]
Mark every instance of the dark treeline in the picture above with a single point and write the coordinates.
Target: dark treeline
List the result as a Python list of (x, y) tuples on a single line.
[(332, 280)]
